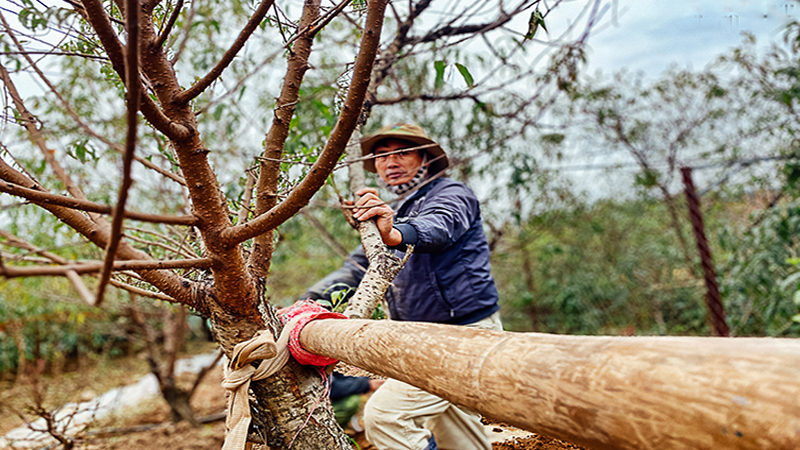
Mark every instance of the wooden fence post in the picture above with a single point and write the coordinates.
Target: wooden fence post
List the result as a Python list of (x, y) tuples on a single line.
[(713, 297)]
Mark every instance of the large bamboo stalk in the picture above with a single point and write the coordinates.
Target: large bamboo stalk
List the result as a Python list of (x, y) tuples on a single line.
[(601, 392)]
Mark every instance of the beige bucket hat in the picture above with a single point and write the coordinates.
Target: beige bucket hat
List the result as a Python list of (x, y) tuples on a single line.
[(407, 132)]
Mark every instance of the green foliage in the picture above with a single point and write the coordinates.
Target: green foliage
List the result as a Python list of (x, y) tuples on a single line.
[(462, 69), (760, 274), (339, 294), (49, 329), (534, 22), (609, 268), (439, 66)]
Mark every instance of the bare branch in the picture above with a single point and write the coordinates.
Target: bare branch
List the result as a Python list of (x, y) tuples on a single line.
[(158, 244), (244, 212), (345, 125), (180, 247), (185, 32), (14, 241), (142, 292), (171, 23), (76, 281), (133, 93), (318, 24), (85, 205), (51, 53), (201, 85), (176, 287), (204, 371), (93, 267)]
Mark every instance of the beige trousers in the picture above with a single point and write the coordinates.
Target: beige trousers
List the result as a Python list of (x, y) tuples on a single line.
[(399, 416)]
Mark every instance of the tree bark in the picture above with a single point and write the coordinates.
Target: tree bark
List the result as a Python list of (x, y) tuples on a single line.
[(600, 392), (383, 264)]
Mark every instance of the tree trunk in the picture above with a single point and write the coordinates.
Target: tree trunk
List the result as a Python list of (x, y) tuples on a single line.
[(178, 401), (600, 392), (383, 264), (292, 406)]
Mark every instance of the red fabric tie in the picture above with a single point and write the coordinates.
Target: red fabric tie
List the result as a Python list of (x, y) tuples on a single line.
[(312, 311)]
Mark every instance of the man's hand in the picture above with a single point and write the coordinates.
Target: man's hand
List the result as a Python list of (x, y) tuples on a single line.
[(369, 206), (375, 384)]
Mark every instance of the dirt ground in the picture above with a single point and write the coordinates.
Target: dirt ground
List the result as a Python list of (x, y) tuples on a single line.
[(115, 433)]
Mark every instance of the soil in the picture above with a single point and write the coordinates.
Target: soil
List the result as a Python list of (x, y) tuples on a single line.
[(148, 427)]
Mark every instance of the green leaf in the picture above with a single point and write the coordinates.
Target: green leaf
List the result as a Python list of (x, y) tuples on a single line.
[(439, 66), (536, 20), (554, 138), (796, 318), (80, 152), (796, 298), (218, 111), (467, 76)]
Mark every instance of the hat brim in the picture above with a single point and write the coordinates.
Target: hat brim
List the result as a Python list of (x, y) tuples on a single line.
[(435, 152)]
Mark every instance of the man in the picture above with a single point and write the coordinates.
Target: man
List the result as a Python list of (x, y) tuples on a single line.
[(446, 280), (346, 393)]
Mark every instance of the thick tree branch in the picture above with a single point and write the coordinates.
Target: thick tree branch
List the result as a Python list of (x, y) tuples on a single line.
[(335, 146), (176, 287), (267, 185), (85, 205), (68, 108), (201, 85), (97, 266), (96, 15), (383, 264), (29, 122), (133, 84)]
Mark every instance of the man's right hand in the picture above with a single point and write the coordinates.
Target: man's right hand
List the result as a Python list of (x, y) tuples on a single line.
[(370, 205)]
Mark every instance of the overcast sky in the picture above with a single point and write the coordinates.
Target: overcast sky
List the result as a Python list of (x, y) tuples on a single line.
[(652, 34)]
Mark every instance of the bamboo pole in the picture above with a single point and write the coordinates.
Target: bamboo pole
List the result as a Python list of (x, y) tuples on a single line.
[(600, 392)]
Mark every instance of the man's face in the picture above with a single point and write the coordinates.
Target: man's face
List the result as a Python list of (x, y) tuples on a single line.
[(397, 168)]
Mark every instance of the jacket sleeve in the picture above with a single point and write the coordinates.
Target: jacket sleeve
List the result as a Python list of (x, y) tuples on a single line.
[(349, 274), (343, 385), (442, 220)]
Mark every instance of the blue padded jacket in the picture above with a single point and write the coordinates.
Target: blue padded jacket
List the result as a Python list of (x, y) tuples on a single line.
[(447, 279)]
